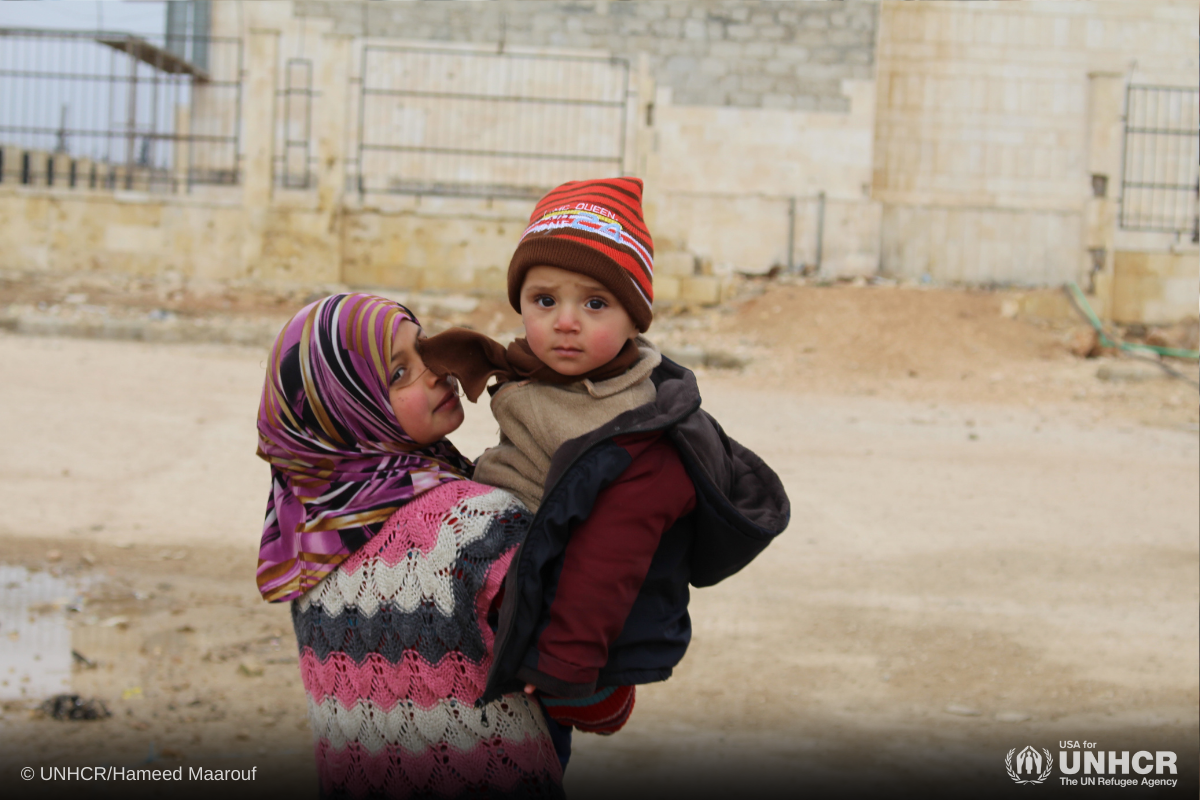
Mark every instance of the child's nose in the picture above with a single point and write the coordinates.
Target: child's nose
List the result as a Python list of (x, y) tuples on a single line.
[(566, 320)]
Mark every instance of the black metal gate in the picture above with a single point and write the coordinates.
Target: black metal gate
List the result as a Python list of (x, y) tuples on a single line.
[(1160, 179), (456, 122)]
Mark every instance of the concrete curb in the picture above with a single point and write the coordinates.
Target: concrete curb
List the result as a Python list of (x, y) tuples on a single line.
[(98, 322), (691, 356), (170, 329)]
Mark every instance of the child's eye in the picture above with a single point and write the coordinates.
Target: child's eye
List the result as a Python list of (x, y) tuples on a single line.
[(595, 304), (544, 301), (398, 375)]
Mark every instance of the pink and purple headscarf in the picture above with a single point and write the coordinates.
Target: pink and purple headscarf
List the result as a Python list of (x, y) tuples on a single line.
[(340, 462)]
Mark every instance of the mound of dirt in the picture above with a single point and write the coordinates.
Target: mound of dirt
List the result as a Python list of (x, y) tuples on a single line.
[(917, 343)]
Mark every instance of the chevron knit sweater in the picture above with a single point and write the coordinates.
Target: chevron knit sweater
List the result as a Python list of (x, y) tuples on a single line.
[(395, 649)]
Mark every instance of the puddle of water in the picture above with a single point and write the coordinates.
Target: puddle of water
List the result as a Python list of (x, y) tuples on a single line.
[(35, 642)]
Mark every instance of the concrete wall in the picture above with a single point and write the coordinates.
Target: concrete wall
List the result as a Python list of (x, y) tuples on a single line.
[(132, 232), (1155, 288), (729, 183), (455, 244), (788, 82), (991, 119), (744, 53), (444, 245), (967, 157)]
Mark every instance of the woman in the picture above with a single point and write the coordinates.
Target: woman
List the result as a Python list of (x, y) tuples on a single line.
[(393, 560)]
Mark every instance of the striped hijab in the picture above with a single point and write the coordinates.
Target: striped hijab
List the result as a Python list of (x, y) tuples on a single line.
[(340, 462)]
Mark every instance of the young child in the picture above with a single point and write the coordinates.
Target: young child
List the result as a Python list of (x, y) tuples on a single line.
[(637, 492)]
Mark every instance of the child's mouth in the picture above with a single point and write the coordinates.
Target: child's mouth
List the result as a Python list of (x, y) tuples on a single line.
[(447, 402)]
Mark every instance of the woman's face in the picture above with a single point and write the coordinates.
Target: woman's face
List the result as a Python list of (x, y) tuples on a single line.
[(426, 405)]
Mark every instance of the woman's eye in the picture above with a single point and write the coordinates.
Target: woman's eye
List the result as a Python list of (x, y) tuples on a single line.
[(595, 304), (544, 300)]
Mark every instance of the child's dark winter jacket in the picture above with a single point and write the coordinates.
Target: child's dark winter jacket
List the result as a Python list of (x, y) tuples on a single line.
[(726, 505)]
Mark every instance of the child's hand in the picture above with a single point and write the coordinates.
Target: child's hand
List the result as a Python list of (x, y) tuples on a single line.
[(530, 688)]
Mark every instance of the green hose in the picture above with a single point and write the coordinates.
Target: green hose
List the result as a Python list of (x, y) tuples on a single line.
[(1082, 304)]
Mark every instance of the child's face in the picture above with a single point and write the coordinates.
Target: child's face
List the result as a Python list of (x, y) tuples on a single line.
[(572, 323), (426, 405)]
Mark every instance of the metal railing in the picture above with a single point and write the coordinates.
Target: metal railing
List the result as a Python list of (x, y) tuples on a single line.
[(100, 109), (1160, 179), (455, 122), (294, 158)]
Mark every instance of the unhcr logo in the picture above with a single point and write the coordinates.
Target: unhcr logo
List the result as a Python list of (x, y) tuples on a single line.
[(1030, 765)]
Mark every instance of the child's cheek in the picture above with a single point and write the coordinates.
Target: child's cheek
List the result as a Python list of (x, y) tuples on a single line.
[(536, 339), (610, 342)]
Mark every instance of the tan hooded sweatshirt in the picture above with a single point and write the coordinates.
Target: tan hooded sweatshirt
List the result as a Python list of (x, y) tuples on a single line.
[(536, 418)]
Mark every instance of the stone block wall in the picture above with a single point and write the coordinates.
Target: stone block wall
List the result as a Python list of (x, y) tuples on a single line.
[(989, 127), (1155, 288), (728, 183), (78, 231), (432, 244), (67, 230), (968, 157), (744, 53), (218, 239), (981, 245), (738, 110)]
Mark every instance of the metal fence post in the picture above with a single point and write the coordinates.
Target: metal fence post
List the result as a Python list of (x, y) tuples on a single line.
[(791, 242), (820, 230)]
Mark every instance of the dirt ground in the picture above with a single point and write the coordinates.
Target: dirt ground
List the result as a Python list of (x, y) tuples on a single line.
[(990, 547)]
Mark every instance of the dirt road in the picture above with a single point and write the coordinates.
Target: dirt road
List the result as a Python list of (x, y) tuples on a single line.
[(973, 565)]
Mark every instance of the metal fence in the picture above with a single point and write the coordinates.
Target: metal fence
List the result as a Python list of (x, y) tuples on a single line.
[(453, 122), (114, 110), (294, 157), (1160, 181)]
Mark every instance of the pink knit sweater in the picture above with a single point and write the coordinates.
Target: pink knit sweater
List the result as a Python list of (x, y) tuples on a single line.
[(395, 649)]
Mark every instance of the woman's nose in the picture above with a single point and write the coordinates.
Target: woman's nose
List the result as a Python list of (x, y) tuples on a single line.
[(432, 378)]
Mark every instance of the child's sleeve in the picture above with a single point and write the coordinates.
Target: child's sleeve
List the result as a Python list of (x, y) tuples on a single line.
[(605, 563), (604, 712)]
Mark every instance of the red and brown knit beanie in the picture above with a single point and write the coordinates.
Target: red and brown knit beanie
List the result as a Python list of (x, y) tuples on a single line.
[(594, 228)]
